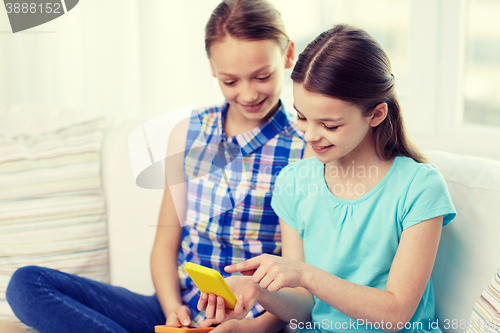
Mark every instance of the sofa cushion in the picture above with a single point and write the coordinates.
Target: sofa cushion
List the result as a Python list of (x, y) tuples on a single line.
[(485, 316), (52, 208), (469, 252)]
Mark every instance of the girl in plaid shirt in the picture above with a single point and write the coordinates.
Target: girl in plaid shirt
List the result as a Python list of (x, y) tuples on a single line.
[(227, 217)]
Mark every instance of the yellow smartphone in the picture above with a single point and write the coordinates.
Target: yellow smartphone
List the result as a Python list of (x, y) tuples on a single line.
[(211, 282), (181, 329)]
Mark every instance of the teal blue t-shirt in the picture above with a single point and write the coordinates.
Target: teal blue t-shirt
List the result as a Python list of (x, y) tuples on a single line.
[(357, 240)]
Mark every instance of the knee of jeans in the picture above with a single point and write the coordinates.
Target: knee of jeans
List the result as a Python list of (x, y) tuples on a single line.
[(21, 285)]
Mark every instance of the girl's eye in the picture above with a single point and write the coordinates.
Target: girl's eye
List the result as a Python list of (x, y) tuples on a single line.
[(229, 83), (264, 78), (333, 128), (300, 118)]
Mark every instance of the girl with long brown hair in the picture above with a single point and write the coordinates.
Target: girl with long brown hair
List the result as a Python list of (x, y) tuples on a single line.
[(361, 221)]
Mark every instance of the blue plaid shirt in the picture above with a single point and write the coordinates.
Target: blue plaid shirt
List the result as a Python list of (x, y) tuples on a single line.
[(229, 217)]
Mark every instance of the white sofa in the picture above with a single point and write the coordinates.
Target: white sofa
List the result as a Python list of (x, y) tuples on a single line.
[(468, 257)]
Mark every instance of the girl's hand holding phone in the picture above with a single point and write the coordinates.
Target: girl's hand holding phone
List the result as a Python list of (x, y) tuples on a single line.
[(214, 308), (271, 272)]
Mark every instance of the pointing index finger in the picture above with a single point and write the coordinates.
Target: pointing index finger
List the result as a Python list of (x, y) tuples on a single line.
[(247, 267)]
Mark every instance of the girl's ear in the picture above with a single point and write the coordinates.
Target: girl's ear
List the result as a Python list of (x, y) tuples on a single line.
[(212, 67), (379, 114), (290, 55)]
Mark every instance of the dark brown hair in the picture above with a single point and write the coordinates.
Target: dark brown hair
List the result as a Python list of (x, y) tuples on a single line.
[(246, 20), (349, 64)]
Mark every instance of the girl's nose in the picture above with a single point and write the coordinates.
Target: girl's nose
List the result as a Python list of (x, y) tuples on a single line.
[(311, 135), (248, 94)]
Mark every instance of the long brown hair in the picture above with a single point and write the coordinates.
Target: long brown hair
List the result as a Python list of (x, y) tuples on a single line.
[(246, 20), (347, 63)]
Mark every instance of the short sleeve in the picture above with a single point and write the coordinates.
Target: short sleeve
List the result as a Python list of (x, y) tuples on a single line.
[(283, 199), (427, 197)]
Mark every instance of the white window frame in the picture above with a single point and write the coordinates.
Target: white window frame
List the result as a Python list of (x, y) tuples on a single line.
[(436, 118)]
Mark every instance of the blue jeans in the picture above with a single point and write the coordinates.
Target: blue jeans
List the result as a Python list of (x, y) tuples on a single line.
[(52, 301)]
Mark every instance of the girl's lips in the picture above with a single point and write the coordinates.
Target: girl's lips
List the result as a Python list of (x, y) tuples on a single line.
[(321, 150), (255, 107)]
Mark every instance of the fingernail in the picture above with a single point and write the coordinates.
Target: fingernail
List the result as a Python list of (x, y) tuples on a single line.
[(185, 322)]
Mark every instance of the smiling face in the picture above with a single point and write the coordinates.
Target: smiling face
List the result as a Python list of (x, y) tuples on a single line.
[(336, 129), (250, 75)]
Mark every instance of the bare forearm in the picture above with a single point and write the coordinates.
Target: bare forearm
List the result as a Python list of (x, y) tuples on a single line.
[(169, 230), (356, 301), (166, 278), (288, 303)]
